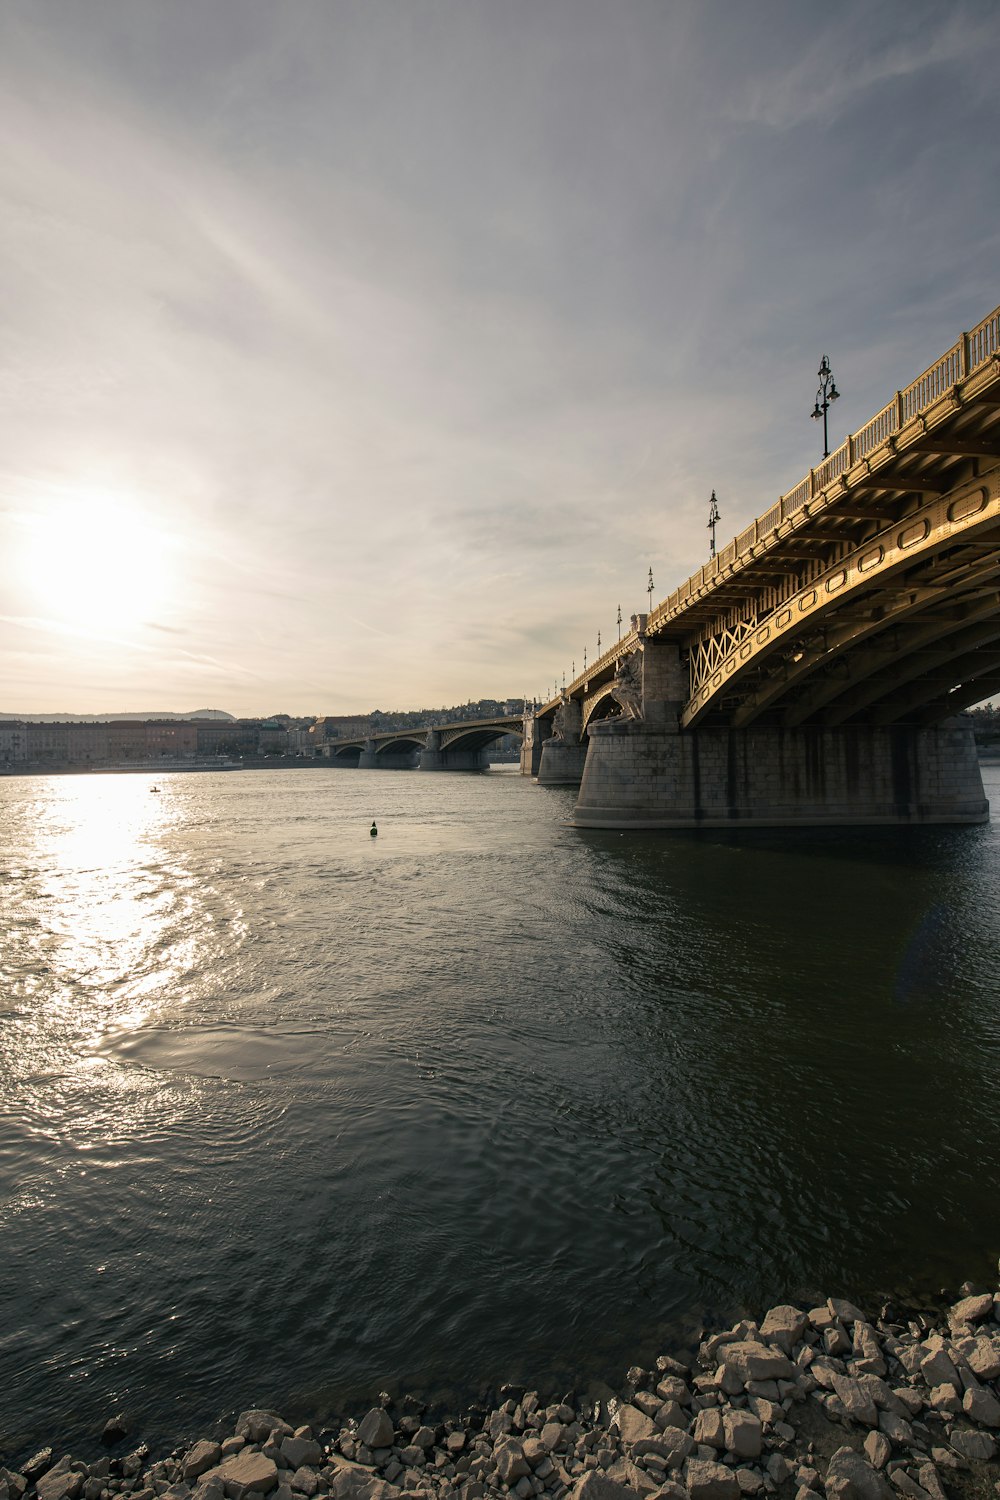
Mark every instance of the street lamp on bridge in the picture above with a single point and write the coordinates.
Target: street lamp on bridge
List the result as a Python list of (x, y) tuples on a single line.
[(649, 590), (825, 396), (619, 622), (714, 517)]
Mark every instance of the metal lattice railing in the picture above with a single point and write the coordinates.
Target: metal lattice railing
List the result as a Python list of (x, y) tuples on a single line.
[(967, 355)]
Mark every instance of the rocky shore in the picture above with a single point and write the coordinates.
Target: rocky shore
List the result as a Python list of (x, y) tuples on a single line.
[(802, 1405)]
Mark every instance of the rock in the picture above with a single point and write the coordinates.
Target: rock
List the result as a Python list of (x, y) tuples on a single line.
[(352, 1482), (203, 1456), (908, 1486), (784, 1325), (232, 1445), (595, 1485), (895, 1429), (673, 1388), (376, 1430), (937, 1368), (298, 1452), (304, 1481), (246, 1473), (751, 1361), (878, 1449), (856, 1401), (972, 1309), (945, 1398), (671, 1414), (552, 1435), (711, 1481), (749, 1481), (850, 1477), (744, 1434), (60, 1482), (778, 1468), (510, 1460), (868, 1354), (929, 1481), (845, 1312), (975, 1446), (37, 1464), (768, 1412), (631, 1477), (982, 1406), (669, 1490), (633, 1424), (115, 1428), (982, 1355), (256, 1426), (835, 1340), (672, 1445), (709, 1428)]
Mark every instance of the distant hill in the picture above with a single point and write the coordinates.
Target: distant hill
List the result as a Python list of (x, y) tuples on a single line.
[(199, 713)]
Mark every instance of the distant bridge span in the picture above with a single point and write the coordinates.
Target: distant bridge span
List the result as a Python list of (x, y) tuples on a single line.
[(459, 746)]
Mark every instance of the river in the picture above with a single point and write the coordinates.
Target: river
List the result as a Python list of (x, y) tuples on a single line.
[(290, 1115)]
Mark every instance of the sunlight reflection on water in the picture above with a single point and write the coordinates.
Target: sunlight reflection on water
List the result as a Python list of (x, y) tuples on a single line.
[(288, 1112)]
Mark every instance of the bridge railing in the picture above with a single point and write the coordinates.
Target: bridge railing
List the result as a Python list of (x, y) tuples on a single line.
[(965, 356), (971, 351)]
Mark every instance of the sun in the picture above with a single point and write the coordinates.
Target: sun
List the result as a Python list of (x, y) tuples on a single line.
[(97, 562)]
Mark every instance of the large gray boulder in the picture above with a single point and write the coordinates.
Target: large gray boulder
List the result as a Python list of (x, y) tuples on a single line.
[(972, 1309), (744, 1433), (257, 1425), (633, 1424), (751, 1361), (245, 1474), (711, 1481), (595, 1485), (856, 1401), (204, 1455), (672, 1445), (784, 1326), (850, 1477), (376, 1429), (977, 1446)]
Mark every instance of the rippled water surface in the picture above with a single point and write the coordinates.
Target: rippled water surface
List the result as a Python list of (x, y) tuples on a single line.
[(290, 1115)]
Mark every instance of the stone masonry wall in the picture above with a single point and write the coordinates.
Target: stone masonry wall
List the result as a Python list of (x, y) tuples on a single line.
[(636, 776)]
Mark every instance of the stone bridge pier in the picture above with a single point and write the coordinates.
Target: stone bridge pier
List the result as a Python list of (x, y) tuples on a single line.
[(438, 757), (404, 759), (563, 754), (648, 773)]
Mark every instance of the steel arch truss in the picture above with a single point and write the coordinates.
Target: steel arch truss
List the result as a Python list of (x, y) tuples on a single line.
[(902, 627)]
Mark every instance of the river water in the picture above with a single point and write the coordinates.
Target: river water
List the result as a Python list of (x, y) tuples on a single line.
[(289, 1115)]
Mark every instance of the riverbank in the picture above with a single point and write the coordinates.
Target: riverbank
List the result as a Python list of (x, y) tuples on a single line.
[(801, 1404)]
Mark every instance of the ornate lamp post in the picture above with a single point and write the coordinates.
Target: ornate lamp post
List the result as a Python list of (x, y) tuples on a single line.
[(649, 590), (826, 394), (619, 622), (598, 645), (714, 517)]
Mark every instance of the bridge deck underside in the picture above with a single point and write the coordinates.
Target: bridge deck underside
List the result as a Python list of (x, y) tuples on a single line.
[(880, 605)]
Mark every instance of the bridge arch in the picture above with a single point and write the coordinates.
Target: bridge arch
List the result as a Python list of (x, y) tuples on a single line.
[(346, 755), (601, 706), (904, 586), (478, 737)]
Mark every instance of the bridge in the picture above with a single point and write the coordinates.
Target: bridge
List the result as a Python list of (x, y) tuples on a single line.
[(811, 671), (459, 746)]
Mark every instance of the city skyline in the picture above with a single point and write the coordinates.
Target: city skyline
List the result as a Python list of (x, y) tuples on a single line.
[(357, 355)]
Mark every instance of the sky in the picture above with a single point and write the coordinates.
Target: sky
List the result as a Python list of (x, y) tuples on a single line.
[(368, 353)]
